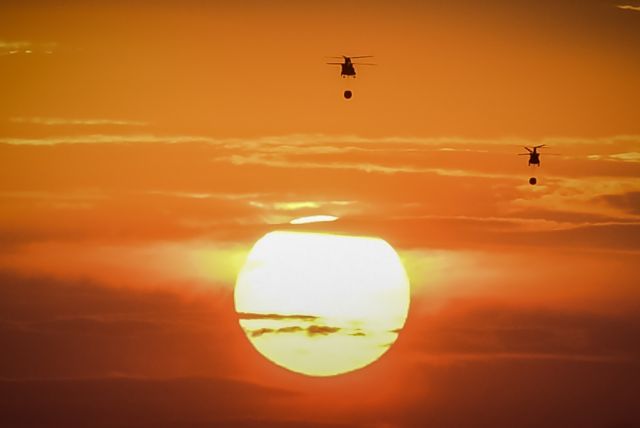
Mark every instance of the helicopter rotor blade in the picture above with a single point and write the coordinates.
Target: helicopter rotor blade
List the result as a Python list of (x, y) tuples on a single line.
[(361, 56), (334, 63), (363, 63), (528, 149)]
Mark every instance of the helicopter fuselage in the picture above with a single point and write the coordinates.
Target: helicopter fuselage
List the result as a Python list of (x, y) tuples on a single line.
[(348, 69), (534, 158)]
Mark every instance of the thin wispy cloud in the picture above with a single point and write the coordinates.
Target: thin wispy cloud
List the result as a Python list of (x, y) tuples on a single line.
[(53, 121), (368, 167), (299, 205), (39, 195), (4, 44), (109, 139), (578, 196), (628, 7), (307, 143), (627, 156), (521, 223), (16, 47), (208, 195), (295, 151), (290, 151), (314, 219), (451, 149)]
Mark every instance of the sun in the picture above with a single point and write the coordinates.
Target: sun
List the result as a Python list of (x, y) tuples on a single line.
[(322, 304)]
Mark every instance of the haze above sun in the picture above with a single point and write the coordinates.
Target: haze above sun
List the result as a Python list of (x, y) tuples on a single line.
[(322, 304)]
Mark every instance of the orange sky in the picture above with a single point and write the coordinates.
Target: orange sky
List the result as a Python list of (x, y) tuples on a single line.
[(144, 148)]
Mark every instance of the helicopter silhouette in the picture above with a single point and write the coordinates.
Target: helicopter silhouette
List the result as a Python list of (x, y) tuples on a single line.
[(347, 67), (534, 155)]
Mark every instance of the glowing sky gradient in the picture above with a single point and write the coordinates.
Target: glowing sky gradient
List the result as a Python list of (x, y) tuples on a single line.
[(145, 147)]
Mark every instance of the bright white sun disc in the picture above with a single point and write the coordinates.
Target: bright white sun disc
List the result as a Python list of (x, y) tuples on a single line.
[(322, 304)]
